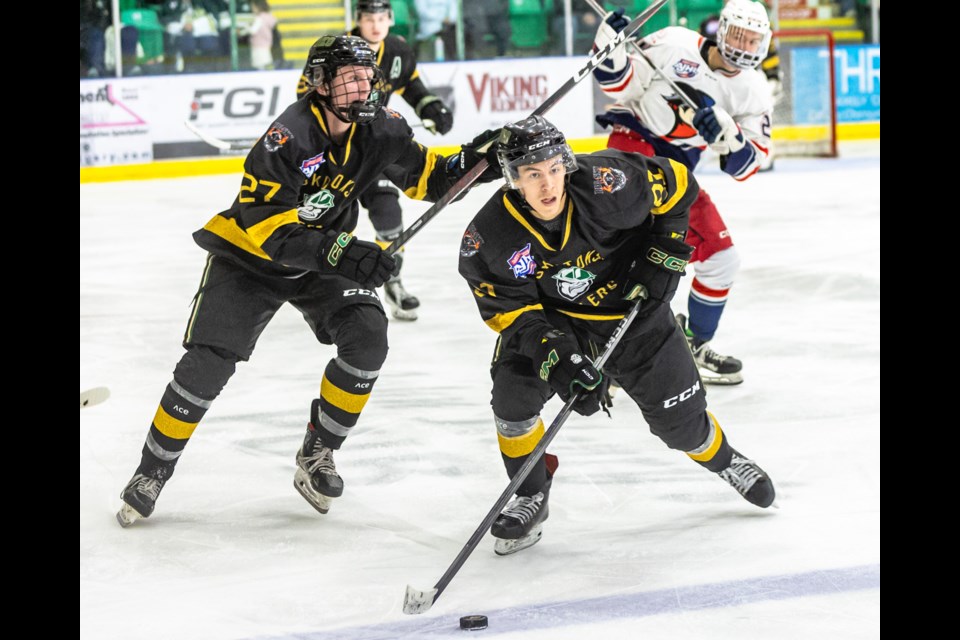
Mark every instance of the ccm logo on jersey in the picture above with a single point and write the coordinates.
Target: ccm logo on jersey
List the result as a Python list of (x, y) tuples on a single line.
[(359, 292), (362, 385), (686, 395)]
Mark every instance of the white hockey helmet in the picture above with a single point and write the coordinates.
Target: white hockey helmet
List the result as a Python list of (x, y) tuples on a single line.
[(743, 24)]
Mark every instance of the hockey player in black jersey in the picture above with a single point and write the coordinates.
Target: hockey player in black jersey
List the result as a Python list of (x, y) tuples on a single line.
[(287, 238), (401, 77), (553, 262)]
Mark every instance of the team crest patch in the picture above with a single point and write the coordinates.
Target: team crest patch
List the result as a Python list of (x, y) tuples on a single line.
[(572, 282), (471, 242), (315, 205), (608, 180), (390, 113), (522, 263), (686, 68), (310, 165), (276, 137)]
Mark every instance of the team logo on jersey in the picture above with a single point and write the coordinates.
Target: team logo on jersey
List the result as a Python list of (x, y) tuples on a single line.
[(390, 113), (395, 67), (572, 282), (608, 180), (276, 137), (522, 263), (683, 114), (686, 68), (315, 205), (470, 244), (310, 165)]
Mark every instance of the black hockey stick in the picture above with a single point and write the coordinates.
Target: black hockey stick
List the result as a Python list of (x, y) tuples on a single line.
[(416, 601), (471, 176), (663, 76)]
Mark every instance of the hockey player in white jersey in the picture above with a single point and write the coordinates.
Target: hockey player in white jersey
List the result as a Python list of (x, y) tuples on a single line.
[(733, 120)]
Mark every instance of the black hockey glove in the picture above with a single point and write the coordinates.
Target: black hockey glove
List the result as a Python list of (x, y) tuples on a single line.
[(358, 260), (483, 146), (718, 128), (617, 20), (434, 114), (657, 270), (559, 361)]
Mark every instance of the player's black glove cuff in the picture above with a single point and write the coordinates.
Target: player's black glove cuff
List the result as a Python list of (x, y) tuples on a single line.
[(435, 115), (657, 269), (484, 146), (360, 261), (559, 361)]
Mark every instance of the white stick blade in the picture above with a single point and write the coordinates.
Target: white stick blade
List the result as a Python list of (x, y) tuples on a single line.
[(416, 601)]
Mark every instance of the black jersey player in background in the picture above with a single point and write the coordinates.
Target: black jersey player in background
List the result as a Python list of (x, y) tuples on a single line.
[(399, 64), (287, 238), (553, 261)]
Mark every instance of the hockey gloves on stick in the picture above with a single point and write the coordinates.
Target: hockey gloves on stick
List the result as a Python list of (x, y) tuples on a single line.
[(559, 361), (613, 23), (483, 146), (719, 130), (434, 115), (657, 270), (360, 261)]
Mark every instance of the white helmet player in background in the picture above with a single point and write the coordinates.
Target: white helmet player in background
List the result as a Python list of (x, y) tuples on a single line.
[(743, 35)]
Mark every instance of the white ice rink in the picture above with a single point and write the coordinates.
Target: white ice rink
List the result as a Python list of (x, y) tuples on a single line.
[(641, 542)]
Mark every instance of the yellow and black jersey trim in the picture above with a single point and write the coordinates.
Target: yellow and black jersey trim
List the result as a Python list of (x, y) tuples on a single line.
[(529, 227), (592, 316), (683, 182), (346, 149), (419, 190), (250, 240), (501, 321), (303, 86)]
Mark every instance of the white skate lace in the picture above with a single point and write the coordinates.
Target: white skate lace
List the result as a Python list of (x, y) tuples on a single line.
[(707, 356), (523, 508), (395, 291), (149, 487), (742, 474), (320, 462)]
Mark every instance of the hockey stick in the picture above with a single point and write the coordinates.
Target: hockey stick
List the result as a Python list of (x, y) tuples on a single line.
[(416, 601), (663, 76), (222, 145), (471, 176), (93, 396)]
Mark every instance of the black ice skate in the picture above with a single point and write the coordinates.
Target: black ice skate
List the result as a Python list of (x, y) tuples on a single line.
[(141, 493), (749, 480), (403, 305), (520, 524), (316, 478), (714, 368)]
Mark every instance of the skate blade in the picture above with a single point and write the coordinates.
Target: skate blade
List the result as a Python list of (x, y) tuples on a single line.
[(416, 601), (317, 500), (127, 515), (505, 547), (720, 379), (407, 315)]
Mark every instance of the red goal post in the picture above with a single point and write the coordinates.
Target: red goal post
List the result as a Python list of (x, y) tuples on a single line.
[(805, 114)]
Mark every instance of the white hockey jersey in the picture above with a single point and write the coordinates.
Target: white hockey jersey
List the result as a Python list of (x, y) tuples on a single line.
[(648, 106)]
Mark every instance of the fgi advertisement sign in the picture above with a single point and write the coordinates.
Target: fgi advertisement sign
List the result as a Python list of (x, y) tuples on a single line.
[(857, 69)]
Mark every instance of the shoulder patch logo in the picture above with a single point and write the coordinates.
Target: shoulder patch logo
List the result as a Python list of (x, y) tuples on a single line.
[(572, 282), (309, 166), (470, 244), (276, 137), (522, 263), (608, 180), (315, 205), (686, 68)]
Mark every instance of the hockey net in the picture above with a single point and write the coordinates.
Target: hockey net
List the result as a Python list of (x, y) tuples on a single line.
[(805, 114)]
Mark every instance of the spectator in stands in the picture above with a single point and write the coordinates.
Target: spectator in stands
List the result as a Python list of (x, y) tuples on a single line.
[(261, 35), (489, 17), (437, 22), (94, 19)]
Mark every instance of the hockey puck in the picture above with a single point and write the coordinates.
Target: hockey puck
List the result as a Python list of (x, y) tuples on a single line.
[(473, 623)]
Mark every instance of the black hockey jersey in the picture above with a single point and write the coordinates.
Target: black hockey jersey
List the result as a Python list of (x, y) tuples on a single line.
[(297, 182), (399, 66), (516, 267)]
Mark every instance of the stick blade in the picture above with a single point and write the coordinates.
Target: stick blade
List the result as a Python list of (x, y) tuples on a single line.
[(416, 601)]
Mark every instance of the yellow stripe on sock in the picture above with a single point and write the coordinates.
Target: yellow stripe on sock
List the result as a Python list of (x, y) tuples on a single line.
[(521, 445), (714, 446), (173, 427), (344, 400)]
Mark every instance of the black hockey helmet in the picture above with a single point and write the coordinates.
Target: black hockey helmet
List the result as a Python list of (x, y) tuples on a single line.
[(327, 55), (373, 6), (529, 141)]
